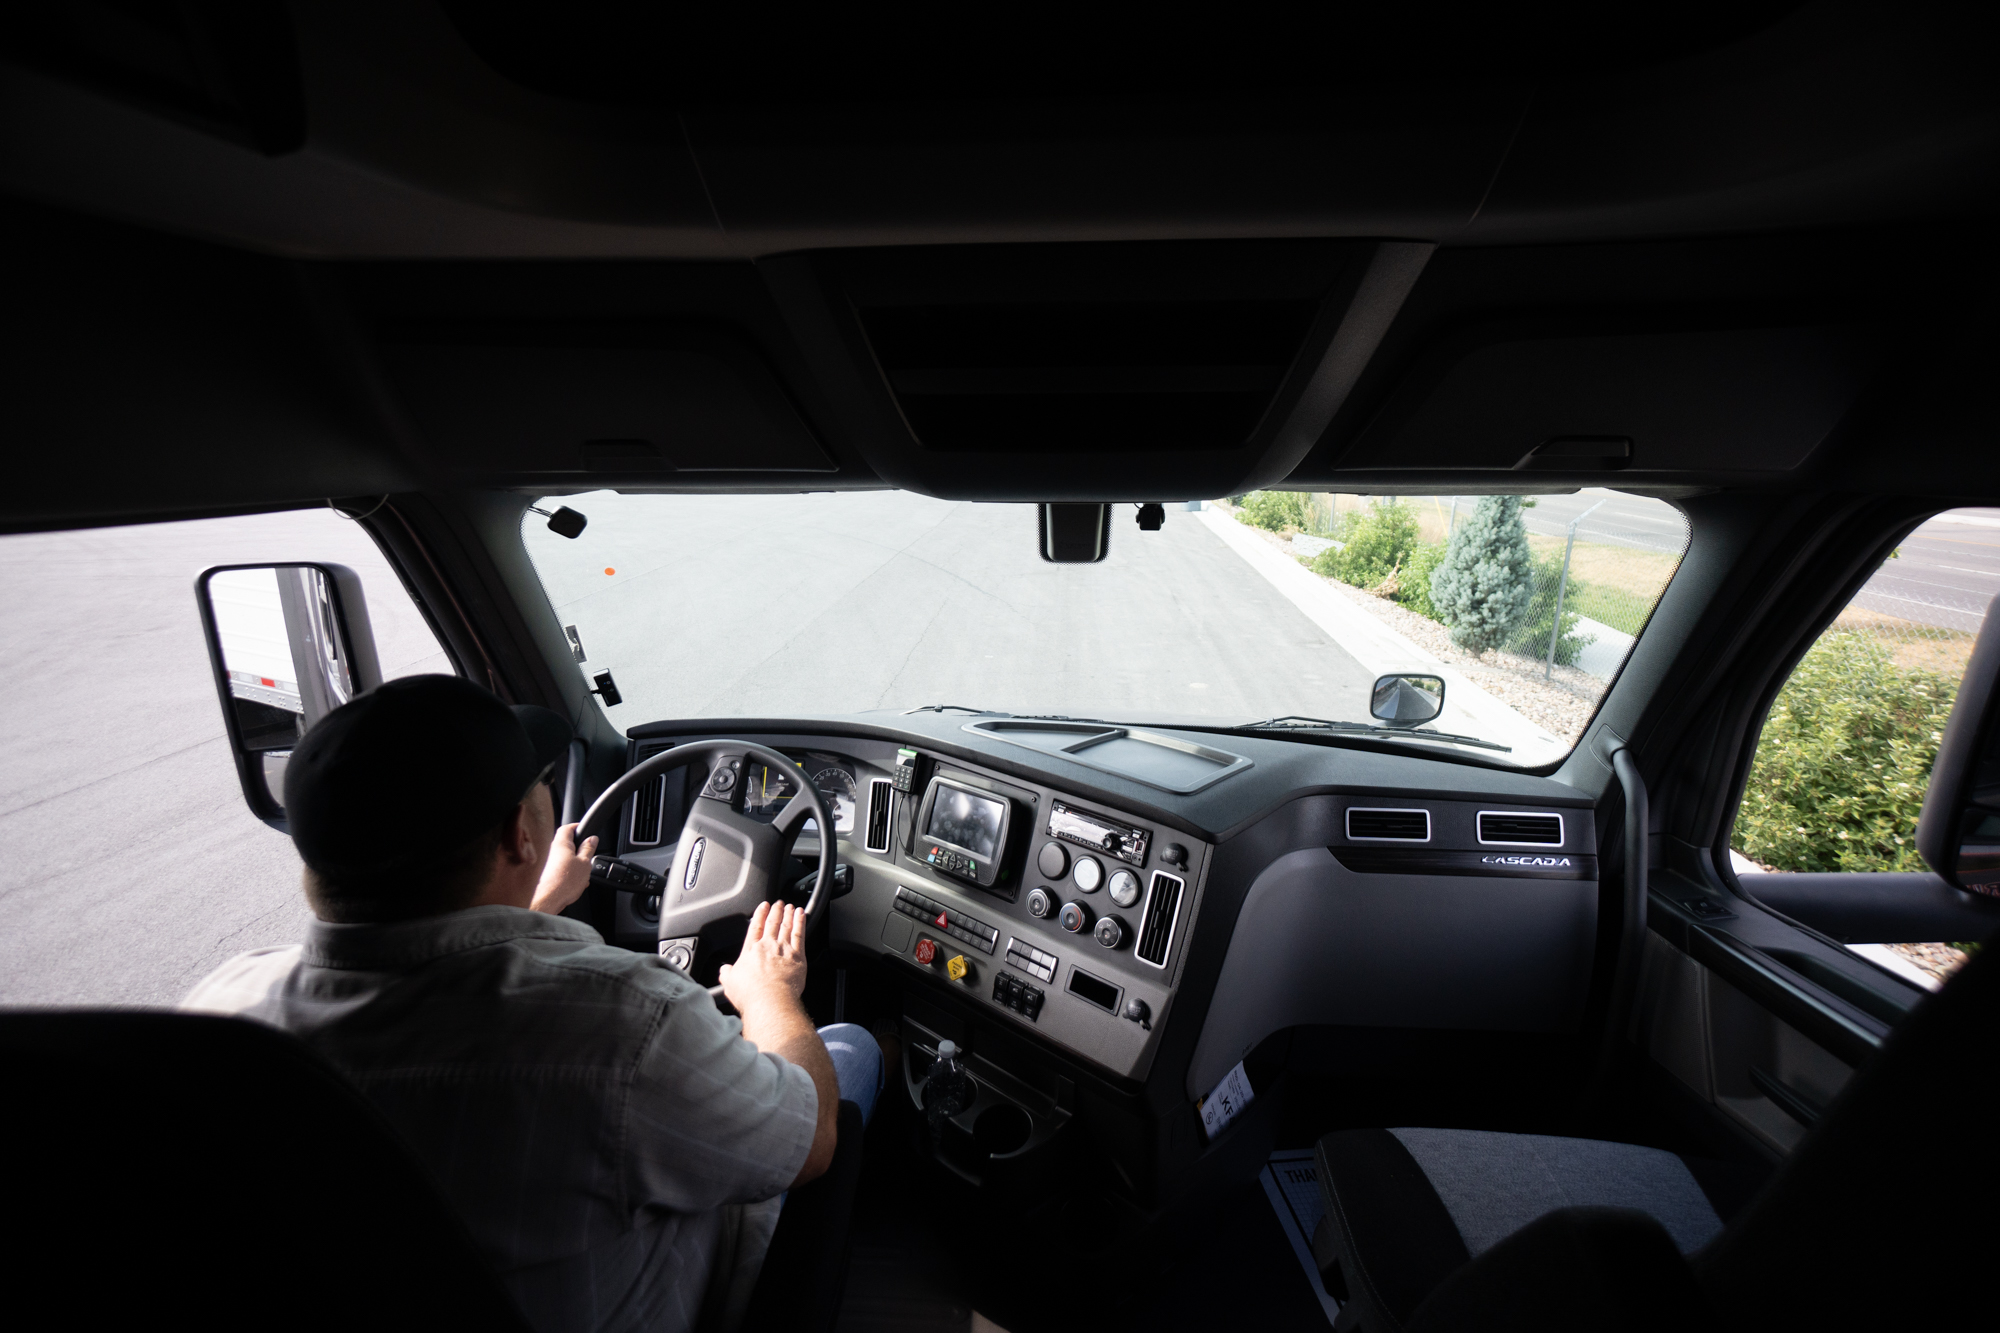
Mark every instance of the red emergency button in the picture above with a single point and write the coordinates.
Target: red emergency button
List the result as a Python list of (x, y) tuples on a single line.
[(940, 923), (926, 951)]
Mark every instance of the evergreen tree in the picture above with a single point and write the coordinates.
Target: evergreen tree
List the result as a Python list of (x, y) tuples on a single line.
[(1483, 587)]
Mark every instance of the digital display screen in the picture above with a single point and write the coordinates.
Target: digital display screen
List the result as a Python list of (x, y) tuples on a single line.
[(969, 820)]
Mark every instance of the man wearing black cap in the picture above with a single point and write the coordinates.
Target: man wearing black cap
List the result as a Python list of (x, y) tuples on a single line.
[(618, 1147)]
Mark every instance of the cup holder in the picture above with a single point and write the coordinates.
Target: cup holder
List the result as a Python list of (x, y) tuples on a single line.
[(1001, 1128)]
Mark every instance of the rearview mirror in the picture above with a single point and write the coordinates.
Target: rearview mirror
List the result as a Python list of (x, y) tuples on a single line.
[(288, 644), (1406, 701)]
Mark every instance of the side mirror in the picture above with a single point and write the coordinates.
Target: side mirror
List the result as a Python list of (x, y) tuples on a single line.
[(289, 644), (1406, 701), (1958, 833)]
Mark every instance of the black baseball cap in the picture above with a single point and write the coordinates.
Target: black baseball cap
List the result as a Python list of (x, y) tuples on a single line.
[(412, 771)]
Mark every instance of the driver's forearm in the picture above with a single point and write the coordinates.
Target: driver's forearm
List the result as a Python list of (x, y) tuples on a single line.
[(779, 1025)]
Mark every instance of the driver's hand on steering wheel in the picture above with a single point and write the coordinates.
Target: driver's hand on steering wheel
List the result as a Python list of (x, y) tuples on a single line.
[(566, 874), (772, 965)]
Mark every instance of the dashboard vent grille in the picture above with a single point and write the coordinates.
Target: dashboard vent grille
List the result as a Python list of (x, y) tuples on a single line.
[(649, 803), (1510, 830), (879, 795), (1161, 908), (1389, 825)]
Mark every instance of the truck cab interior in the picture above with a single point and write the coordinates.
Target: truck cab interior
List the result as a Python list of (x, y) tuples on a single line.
[(626, 333)]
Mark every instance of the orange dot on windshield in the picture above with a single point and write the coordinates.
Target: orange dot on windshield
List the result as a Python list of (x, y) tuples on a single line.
[(609, 570)]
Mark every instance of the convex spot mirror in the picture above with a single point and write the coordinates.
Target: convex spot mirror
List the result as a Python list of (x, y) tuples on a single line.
[(1406, 701), (289, 643)]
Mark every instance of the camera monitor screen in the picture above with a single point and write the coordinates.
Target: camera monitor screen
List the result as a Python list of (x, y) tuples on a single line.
[(969, 820)]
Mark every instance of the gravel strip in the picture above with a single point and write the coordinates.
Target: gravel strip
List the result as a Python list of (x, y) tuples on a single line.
[(1940, 960)]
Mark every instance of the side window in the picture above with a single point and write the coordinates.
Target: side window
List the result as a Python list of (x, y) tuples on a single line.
[(133, 866), (1845, 755)]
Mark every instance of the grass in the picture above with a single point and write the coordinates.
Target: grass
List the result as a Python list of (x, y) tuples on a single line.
[(1619, 584), (1911, 646)]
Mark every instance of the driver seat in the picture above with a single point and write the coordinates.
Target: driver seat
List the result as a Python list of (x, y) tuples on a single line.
[(170, 1168)]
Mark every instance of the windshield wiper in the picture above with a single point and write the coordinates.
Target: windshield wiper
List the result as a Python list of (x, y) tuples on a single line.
[(1294, 722), (994, 712)]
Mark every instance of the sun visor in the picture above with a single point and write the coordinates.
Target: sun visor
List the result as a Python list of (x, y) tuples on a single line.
[(564, 405), (1707, 401)]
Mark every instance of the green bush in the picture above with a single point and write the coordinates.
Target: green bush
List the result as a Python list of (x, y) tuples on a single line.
[(1482, 588), (1415, 592), (1273, 510), (1531, 639), (1373, 542), (1842, 765)]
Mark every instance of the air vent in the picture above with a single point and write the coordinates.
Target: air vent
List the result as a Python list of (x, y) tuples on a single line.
[(1365, 825), (1096, 377), (880, 794), (1499, 828), (1162, 907), (649, 803)]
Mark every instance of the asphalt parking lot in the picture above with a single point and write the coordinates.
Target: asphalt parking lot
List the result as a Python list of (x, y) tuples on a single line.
[(133, 866), (788, 605)]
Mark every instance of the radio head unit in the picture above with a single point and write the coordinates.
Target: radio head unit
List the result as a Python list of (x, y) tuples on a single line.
[(962, 831), (1100, 833)]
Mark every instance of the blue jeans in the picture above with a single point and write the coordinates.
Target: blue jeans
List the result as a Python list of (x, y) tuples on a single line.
[(857, 1064)]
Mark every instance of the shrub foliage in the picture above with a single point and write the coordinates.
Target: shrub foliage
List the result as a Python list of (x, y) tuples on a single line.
[(1482, 588), (1841, 768), (1273, 511), (1374, 543)]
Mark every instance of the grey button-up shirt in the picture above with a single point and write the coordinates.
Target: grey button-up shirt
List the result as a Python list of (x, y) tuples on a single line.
[(587, 1108)]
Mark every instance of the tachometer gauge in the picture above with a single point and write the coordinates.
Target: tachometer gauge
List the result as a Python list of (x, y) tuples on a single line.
[(837, 786), (766, 790)]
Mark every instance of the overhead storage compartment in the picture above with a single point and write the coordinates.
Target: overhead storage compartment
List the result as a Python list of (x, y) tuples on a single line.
[(563, 402)]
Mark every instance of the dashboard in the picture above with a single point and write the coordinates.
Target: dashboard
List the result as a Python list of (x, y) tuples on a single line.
[(1124, 896)]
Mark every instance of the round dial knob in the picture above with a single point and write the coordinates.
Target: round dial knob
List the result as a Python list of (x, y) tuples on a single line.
[(1040, 902), (678, 957), (1053, 860), (1112, 842), (1110, 932), (1075, 918), (1124, 888), (1089, 874)]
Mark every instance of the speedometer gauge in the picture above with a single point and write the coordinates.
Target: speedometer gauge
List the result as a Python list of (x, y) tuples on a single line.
[(837, 786)]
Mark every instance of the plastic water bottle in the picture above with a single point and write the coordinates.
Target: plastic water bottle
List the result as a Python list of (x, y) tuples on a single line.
[(949, 1090)]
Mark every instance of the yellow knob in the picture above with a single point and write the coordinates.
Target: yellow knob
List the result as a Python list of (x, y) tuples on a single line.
[(956, 969)]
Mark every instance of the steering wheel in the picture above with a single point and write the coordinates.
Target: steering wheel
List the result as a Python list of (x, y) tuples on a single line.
[(726, 861)]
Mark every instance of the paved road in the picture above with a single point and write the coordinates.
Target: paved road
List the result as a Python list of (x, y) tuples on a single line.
[(777, 605), (132, 865), (1945, 574)]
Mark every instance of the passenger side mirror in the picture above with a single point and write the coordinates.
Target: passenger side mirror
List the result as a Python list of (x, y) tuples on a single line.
[(288, 644), (1958, 834), (1406, 701)]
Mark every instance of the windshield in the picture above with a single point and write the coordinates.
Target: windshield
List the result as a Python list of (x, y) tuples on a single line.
[(1275, 605)]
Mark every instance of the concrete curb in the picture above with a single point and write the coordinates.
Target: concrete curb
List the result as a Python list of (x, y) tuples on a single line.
[(1380, 649)]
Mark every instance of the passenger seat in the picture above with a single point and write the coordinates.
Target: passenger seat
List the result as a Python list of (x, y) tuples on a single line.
[(1440, 1229)]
